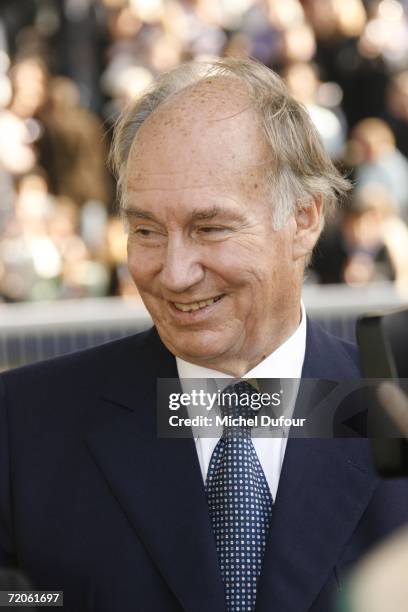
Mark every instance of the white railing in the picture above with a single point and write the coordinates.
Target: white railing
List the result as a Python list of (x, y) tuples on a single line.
[(330, 301), (33, 331)]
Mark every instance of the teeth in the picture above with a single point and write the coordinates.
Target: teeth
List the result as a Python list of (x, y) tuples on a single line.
[(196, 305)]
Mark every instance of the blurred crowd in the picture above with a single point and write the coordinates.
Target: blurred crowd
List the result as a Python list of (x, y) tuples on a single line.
[(68, 67)]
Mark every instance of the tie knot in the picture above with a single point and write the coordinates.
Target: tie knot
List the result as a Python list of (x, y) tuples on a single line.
[(237, 404)]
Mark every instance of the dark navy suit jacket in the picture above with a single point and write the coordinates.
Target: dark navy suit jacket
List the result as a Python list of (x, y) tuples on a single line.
[(93, 503)]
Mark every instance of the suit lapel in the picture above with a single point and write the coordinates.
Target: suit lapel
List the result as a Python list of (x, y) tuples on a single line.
[(324, 488), (158, 481)]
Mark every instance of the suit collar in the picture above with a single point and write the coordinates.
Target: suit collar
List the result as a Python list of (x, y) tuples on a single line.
[(328, 357), (144, 358)]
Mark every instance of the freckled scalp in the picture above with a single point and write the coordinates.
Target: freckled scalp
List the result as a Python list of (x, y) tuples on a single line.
[(207, 101), (223, 138), (219, 93)]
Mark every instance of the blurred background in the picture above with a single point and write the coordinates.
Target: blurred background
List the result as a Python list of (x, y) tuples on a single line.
[(67, 69)]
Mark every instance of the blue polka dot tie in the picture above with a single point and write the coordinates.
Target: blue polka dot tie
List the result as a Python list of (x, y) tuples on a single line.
[(240, 505)]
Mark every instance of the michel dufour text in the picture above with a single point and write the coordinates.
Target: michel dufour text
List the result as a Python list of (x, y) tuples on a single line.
[(203, 400)]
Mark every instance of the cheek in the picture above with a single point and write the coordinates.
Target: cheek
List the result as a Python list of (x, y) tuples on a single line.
[(252, 267), (237, 260), (136, 272), (265, 276), (143, 267)]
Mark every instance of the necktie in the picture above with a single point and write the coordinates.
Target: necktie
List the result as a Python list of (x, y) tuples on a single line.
[(240, 504)]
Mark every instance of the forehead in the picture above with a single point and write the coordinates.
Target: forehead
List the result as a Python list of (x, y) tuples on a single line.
[(208, 134)]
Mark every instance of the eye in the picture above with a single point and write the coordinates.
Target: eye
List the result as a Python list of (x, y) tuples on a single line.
[(210, 229), (211, 233), (142, 231), (146, 235)]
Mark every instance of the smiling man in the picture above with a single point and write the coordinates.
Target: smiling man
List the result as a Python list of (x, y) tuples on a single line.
[(223, 249), (220, 280), (223, 188)]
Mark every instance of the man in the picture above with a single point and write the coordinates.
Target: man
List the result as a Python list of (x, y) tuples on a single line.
[(223, 187)]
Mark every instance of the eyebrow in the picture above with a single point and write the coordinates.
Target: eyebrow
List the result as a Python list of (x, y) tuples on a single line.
[(211, 213), (137, 213), (196, 215)]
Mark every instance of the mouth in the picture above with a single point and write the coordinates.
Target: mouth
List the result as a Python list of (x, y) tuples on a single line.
[(199, 305)]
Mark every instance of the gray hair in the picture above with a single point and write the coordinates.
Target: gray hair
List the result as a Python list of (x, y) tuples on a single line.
[(299, 170)]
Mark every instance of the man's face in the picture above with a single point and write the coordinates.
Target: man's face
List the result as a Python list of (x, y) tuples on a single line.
[(221, 285)]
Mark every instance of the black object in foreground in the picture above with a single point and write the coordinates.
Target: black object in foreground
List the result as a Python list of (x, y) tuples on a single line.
[(383, 342)]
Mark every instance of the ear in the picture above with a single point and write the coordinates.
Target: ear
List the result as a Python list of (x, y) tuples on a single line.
[(309, 224)]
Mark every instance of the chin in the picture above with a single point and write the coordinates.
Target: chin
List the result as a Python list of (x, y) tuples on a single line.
[(196, 347)]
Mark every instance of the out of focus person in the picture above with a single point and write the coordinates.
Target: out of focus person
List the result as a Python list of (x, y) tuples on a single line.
[(275, 33), (77, 33), (385, 35), (299, 43), (379, 583), (84, 270), (304, 84), (30, 80), (378, 162), (397, 109), (31, 262), (103, 54), (338, 26), (18, 128), (69, 138), (257, 35), (73, 147), (367, 242), (6, 124), (43, 252)]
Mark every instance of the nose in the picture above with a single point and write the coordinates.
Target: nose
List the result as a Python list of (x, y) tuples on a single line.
[(182, 268)]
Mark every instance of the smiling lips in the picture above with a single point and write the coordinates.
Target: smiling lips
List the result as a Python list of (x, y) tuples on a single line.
[(196, 305)]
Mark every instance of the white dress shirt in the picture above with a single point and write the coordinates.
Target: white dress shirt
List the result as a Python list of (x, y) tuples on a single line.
[(285, 362)]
